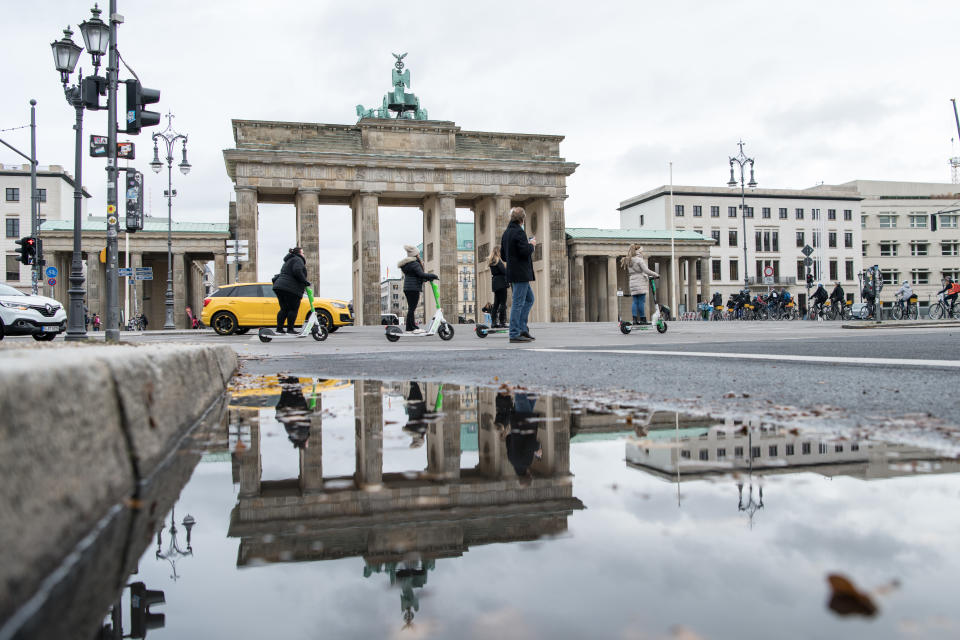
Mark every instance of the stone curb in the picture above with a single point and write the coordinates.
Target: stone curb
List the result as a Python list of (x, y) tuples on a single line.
[(902, 324), (82, 430)]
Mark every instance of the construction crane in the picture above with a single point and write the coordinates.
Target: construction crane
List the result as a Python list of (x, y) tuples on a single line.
[(955, 160)]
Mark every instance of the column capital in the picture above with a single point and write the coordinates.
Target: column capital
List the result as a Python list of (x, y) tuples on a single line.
[(238, 188), (446, 194), (369, 193), (557, 198), (310, 190)]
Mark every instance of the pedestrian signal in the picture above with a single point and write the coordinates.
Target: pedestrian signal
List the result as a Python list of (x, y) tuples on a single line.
[(27, 248)]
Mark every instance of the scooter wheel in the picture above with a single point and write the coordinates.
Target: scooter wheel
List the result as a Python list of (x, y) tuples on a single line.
[(392, 337), (661, 327), (445, 331), (319, 333), (264, 337), (624, 328), (481, 333)]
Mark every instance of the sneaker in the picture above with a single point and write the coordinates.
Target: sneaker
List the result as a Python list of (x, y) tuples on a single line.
[(522, 338), (526, 334)]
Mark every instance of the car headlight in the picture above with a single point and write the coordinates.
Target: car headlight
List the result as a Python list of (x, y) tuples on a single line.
[(14, 305), (339, 305)]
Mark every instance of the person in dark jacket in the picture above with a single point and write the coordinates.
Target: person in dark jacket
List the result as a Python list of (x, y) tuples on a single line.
[(413, 278), (292, 411), (416, 410), (499, 284), (517, 250), (289, 286), (522, 444)]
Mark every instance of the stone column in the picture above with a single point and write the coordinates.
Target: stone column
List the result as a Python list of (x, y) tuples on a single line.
[(559, 301), (612, 299), (443, 437), (247, 225), (440, 252), (180, 290), (220, 276), (308, 232), (662, 284), (366, 258), (489, 443), (577, 296), (250, 465), (311, 456), (95, 301), (705, 274), (691, 284), (368, 422), (490, 217)]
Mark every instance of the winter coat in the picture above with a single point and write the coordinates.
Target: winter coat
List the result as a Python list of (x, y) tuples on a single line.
[(518, 252), (640, 275), (905, 291), (293, 275), (413, 274), (820, 295), (837, 293), (498, 276)]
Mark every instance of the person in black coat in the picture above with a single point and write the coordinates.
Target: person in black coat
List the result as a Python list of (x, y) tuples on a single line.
[(517, 250), (499, 285), (522, 444), (292, 411), (413, 278), (289, 286)]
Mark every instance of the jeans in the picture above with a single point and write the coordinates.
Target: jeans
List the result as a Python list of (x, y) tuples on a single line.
[(639, 305), (413, 298), (522, 303)]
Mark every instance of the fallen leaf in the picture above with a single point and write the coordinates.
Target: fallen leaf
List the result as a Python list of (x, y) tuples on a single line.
[(846, 599)]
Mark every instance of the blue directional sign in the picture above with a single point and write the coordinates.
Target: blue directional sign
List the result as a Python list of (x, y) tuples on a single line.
[(51, 272), (125, 273)]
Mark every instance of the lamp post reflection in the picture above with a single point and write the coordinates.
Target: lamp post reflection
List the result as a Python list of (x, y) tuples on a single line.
[(174, 552), (751, 506)]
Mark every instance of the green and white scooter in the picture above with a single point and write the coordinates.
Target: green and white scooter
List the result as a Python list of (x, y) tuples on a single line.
[(438, 326), (311, 327), (657, 319)]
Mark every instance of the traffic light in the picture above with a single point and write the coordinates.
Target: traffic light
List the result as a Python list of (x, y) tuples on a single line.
[(809, 280), (91, 88), (137, 116), (27, 248), (141, 619)]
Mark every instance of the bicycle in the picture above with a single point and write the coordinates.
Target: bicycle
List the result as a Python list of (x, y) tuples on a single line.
[(906, 309), (941, 309), (839, 311), (816, 311)]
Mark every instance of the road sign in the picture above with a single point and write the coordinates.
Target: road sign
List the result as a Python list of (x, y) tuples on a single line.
[(807, 250), (51, 281), (768, 280), (241, 258), (144, 271), (143, 276), (98, 148), (232, 244), (124, 273), (768, 271), (807, 262), (51, 272)]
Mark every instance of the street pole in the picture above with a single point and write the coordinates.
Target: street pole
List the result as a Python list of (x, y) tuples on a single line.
[(742, 161), (113, 308), (76, 316), (674, 294), (34, 198), (169, 137)]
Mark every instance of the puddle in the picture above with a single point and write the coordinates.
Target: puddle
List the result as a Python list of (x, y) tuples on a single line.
[(416, 509)]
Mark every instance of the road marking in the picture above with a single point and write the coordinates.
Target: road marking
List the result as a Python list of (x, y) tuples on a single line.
[(766, 356)]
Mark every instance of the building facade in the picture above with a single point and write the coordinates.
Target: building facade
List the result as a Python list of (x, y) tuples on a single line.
[(779, 223), (55, 190), (392, 299)]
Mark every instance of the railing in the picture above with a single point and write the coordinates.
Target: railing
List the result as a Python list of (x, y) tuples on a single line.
[(777, 281)]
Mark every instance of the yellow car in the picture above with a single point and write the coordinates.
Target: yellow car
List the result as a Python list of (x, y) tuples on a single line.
[(237, 308)]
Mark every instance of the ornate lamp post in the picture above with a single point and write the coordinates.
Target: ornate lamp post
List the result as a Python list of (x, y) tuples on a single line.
[(174, 552), (742, 160), (96, 35), (169, 138)]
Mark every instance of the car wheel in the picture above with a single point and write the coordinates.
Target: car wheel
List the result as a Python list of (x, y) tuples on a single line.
[(224, 323), (326, 320), (1, 330), (44, 337), (241, 331)]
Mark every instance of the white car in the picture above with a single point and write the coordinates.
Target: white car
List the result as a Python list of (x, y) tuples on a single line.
[(22, 314)]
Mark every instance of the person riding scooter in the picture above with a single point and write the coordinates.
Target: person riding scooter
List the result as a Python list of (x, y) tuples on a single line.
[(640, 273), (413, 278)]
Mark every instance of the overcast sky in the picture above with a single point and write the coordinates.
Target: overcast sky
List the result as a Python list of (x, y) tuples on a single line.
[(819, 91)]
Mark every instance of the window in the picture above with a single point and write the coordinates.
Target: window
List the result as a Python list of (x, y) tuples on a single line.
[(948, 222), (848, 239), (775, 235), (42, 195), (704, 454), (863, 249), (247, 291), (863, 222), (721, 435), (13, 268), (918, 248), (783, 213), (223, 292), (801, 270), (848, 215), (890, 276), (801, 241), (799, 213), (738, 452), (950, 248), (765, 212), (805, 448), (854, 446), (754, 452), (920, 276), (832, 239), (13, 228), (953, 274), (732, 237), (749, 213), (816, 238), (887, 221), (715, 234), (734, 271), (714, 212), (678, 210), (789, 450), (721, 454), (833, 270), (888, 248), (831, 214), (697, 211), (715, 268), (838, 448), (918, 221), (13, 194), (685, 454), (772, 451), (814, 214), (731, 212), (822, 447), (848, 270)]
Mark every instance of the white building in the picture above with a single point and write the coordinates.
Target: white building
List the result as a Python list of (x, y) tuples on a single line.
[(55, 189), (392, 299), (898, 235), (779, 223)]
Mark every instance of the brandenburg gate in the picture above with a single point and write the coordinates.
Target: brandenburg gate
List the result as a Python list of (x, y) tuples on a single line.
[(406, 160)]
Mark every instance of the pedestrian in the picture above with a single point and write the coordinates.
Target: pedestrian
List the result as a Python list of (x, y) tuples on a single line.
[(292, 412), (96, 322), (517, 249), (640, 274), (499, 285), (523, 448), (416, 410), (289, 285), (413, 278)]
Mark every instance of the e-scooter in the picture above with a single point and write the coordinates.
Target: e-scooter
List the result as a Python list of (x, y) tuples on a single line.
[(438, 326), (657, 319), (311, 327)]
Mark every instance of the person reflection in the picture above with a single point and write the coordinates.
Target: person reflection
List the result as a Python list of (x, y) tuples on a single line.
[(408, 575), (416, 409), (292, 411), (522, 444)]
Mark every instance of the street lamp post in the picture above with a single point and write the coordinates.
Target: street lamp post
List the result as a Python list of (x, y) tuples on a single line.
[(742, 160), (96, 36), (169, 138)]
